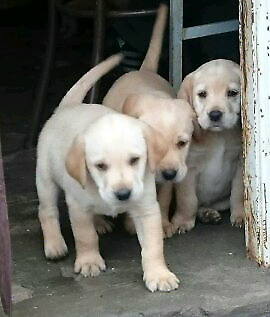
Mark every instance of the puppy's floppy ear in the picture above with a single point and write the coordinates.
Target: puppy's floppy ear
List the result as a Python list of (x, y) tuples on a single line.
[(132, 106), (197, 132), (185, 105), (186, 89), (156, 146), (75, 162), (186, 92)]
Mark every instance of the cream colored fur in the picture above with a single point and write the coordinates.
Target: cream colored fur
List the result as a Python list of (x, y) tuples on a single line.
[(214, 178), (146, 95), (94, 154)]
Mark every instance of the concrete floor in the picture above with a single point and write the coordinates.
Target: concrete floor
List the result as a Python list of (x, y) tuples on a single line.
[(216, 277)]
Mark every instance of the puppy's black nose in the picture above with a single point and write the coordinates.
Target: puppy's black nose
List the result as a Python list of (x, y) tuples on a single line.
[(215, 115), (169, 174), (123, 194)]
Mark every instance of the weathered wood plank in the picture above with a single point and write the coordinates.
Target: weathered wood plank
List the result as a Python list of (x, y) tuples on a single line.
[(5, 253)]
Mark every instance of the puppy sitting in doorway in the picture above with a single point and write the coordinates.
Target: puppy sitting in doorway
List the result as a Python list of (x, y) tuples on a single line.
[(105, 163), (214, 178), (146, 95)]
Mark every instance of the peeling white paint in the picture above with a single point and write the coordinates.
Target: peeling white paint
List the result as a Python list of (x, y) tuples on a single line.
[(255, 64)]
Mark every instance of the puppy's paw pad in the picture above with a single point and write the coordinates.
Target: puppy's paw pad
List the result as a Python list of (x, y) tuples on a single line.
[(208, 215), (89, 265), (237, 221), (102, 225), (55, 249), (164, 281)]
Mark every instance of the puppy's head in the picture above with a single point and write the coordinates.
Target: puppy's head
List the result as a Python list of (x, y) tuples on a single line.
[(114, 153), (214, 92), (173, 119)]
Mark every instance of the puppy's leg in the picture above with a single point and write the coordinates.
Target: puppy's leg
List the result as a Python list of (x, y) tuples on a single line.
[(237, 198), (102, 225), (88, 259), (186, 203), (149, 231), (54, 243), (129, 224), (164, 199)]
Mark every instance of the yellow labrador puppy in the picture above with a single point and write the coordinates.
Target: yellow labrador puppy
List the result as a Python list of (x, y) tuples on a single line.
[(214, 178), (146, 95), (105, 163)]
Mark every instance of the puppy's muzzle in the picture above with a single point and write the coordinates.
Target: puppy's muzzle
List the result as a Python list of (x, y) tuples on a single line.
[(123, 194), (169, 174), (215, 115)]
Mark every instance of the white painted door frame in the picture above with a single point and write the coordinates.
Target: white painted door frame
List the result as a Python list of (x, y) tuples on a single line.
[(255, 65)]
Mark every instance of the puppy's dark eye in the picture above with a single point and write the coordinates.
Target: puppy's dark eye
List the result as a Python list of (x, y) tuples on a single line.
[(134, 160), (102, 166), (232, 92), (181, 144), (202, 94)]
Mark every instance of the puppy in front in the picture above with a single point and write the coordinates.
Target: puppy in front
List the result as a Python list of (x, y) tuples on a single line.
[(146, 95), (214, 178), (105, 163)]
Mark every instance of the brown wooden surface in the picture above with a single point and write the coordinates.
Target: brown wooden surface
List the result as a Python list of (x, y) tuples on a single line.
[(5, 253)]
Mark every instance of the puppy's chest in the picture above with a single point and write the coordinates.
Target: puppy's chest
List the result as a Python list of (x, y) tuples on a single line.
[(216, 170)]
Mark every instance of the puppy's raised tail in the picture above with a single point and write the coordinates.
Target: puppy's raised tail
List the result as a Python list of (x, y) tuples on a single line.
[(151, 59), (77, 93)]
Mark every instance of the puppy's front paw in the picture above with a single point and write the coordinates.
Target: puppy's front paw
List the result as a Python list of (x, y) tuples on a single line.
[(55, 248), (182, 224), (237, 221), (102, 225), (167, 229), (209, 215), (160, 280), (89, 264)]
